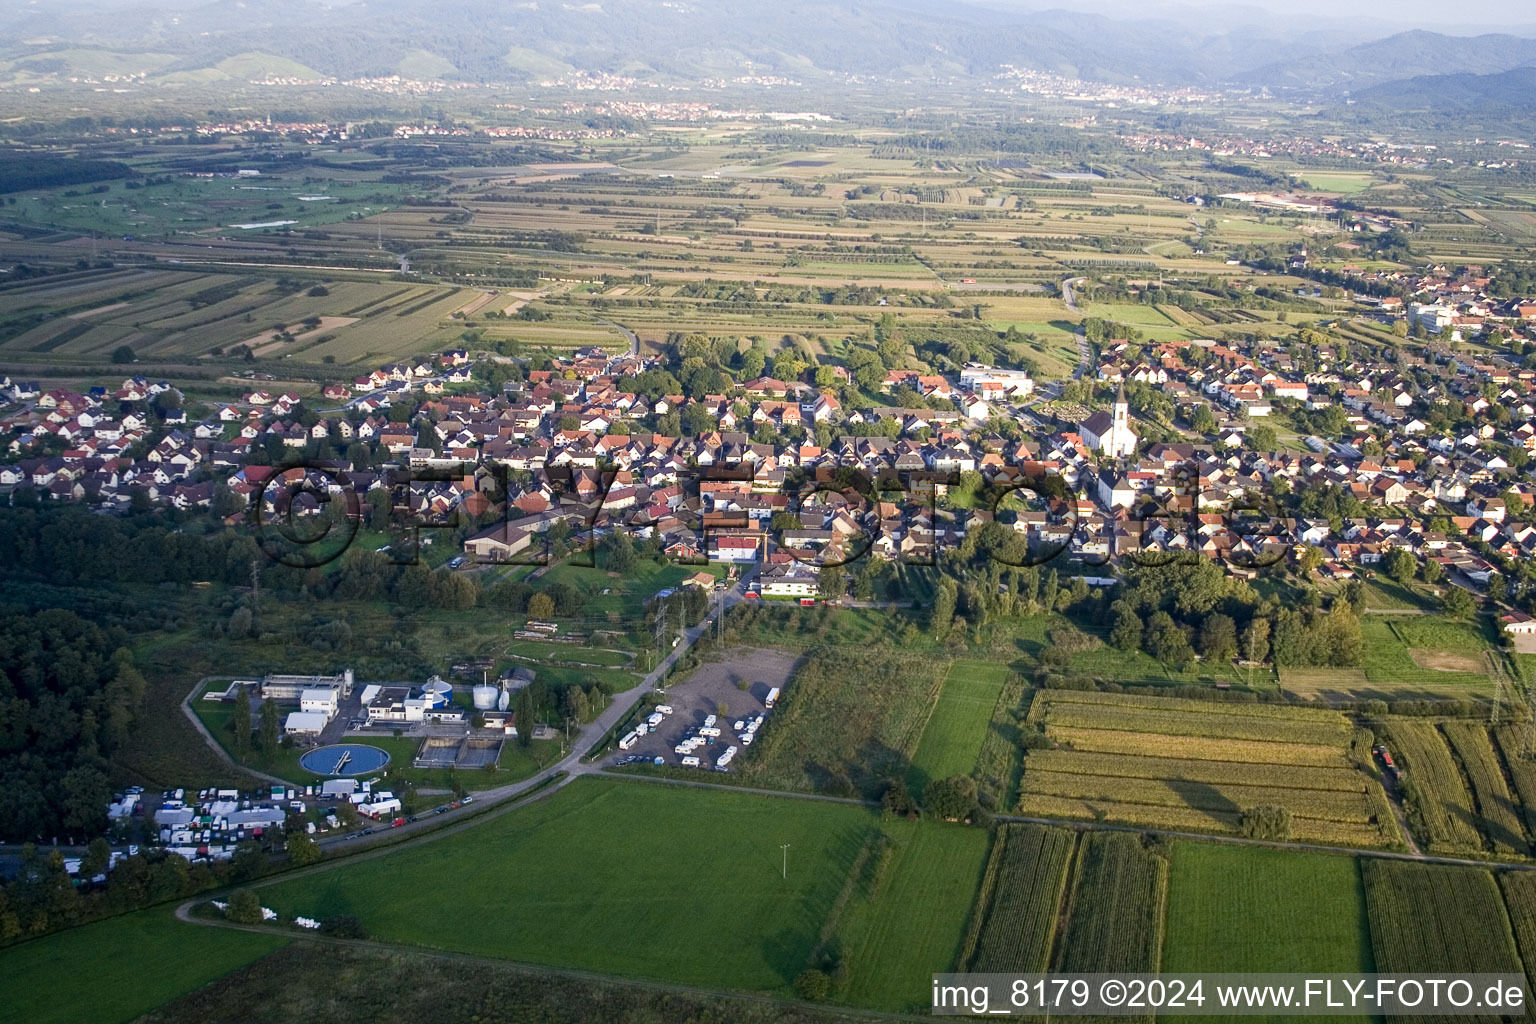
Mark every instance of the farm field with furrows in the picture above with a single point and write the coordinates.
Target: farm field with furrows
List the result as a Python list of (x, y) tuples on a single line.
[(1427, 917), (1019, 902), (186, 316), (1312, 907), (1466, 789), (1198, 765), (1115, 908)]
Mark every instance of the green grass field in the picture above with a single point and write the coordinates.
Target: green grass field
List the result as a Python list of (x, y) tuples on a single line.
[(117, 969), (959, 722), (1235, 908), (1401, 650), (850, 720), (1340, 181), (624, 595), (632, 879), (914, 924)]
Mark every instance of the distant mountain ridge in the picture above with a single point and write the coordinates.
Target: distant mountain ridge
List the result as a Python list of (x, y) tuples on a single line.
[(685, 40), (1405, 55), (1507, 91)]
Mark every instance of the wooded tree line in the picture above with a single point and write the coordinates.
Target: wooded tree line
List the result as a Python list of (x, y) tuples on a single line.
[(22, 174), (69, 694), (43, 897)]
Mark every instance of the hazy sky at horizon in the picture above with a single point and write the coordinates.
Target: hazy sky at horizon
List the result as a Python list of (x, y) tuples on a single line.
[(1481, 14), (1466, 17)]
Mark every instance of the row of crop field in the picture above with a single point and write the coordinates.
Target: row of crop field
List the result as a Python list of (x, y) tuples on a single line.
[(1020, 899), (1374, 832), (1217, 798), (1467, 790), (1190, 765), (1449, 919), (1197, 724), (1210, 708), (1346, 780), (1112, 741), (1499, 820), (1517, 746), (1115, 912)]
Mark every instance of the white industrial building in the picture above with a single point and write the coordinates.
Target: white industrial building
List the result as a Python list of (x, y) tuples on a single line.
[(305, 723), (324, 701)]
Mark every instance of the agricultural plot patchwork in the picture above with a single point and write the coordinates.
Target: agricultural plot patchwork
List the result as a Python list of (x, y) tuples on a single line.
[(1183, 764), (1466, 790)]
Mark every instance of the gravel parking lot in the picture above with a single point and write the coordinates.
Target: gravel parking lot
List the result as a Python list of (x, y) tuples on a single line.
[(716, 688)]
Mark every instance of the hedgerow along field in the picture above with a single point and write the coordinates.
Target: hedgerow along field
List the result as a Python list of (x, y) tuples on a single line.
[(849, 722), (682, 886), (1188, 764), (1020, 899)]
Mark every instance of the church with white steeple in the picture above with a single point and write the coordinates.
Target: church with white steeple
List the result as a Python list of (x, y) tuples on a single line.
[(1110, 433)]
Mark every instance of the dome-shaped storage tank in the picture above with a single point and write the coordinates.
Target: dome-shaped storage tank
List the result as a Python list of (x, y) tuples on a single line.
[(504, 701), (484, 697), (437, 693)]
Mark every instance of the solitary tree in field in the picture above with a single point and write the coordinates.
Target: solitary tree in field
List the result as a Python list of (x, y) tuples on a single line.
[(270, 737), (1267, 821), (244, 907), (953, 798), (241, 723)]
